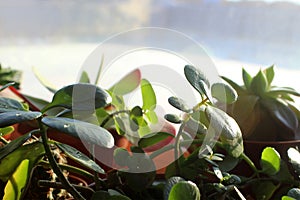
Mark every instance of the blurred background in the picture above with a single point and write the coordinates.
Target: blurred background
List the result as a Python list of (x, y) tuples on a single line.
[(56, 36)]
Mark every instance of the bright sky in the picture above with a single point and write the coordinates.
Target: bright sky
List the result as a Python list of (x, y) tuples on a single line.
[(293, 1)]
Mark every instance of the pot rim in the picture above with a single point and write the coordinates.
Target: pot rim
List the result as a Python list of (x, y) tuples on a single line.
[(271, 142)]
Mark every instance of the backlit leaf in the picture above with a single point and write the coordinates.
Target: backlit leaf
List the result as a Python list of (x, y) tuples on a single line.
[(270, 161), (128, 83), (223, 93), (153, 138), (44, 81), (148, 95), (184, 190), (246, 78)]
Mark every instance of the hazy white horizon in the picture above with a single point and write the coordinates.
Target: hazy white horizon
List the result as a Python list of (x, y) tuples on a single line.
[(272, 1)]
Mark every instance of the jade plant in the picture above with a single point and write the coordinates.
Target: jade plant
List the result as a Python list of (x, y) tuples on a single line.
[(206, 148), (263, 111)]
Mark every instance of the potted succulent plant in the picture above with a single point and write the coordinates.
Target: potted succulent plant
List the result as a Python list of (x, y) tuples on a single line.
[(206, 147), (266, 114)]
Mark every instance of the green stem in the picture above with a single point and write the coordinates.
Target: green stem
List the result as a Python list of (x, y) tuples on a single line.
[(58, 185), (177, 148), (70, 188), (111, 115), (249, 162), (96, 176)]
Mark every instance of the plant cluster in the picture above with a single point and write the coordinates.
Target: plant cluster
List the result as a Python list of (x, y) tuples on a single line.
[(207, 147), (263, 111)]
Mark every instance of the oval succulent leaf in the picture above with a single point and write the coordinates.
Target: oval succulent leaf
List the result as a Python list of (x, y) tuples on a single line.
[(223, 93), (282, 113), (173, 118), (82, 130), (259, 84), (225, 125), (79, 157), (127, 84), (153, 138), (270, 161), (136, 111), (294, 156), (7, 104), (178, 103), (184, 190), (197, 79), (170, 183), (79, 96), (13, 117), (194, 75), (148, 95)]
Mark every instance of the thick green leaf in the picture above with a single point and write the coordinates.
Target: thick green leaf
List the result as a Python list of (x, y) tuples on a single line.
[(151, 116), (269, 72), (178, 103), (170, 183), (287, 198), (294, 156), (246, 78), (120, 126), (17, 182), (194, 75), (121, 156), (79, 157), (84, 78), (226, 126), (128, 83), (81, 97), (6, 130), (259, 84), (153, 138), (7, 104), (44, 81), (282, 113), (38, 103), (148, 95), (197, 79), (193, 127), (83, 130), (184, 190), (9, 163), (270, 161), (239, 89), (136, 111), (277, 91), (7, 85), (13, 145), (294, 192), (13, 117), (223, 93), (267, 192), (173, 118)]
